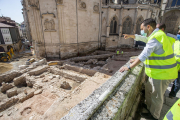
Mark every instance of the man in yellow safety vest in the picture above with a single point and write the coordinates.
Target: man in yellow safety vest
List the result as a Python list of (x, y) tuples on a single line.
[(160, 66), (176, 84), (162, 27)]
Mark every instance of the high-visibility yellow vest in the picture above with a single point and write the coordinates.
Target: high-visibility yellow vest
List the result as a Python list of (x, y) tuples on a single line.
[(174, 112), (117, 52), (164, 66), (172, 40), (177, 53)]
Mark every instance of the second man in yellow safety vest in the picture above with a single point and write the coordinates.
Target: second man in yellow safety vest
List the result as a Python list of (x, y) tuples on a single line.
[(176, 84)]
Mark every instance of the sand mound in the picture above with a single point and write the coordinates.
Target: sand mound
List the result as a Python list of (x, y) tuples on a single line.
[(4, 67)]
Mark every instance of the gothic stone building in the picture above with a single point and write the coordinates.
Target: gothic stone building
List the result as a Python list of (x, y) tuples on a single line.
[(65, 28)]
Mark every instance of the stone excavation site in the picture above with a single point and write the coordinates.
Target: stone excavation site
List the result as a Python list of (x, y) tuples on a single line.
[(31, 92)]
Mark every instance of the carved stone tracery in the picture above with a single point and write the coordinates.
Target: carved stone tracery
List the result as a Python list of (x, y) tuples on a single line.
[(49, 25), (33, 3), (96, 8), (127, 26), (138, 24), (82, 5)]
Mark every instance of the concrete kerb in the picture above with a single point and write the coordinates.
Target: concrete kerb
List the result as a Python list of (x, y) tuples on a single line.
[(88, 106)]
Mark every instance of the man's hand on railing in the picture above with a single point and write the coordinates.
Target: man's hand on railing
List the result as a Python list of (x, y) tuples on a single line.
[(123, 69), (135, 63), (126, 36)]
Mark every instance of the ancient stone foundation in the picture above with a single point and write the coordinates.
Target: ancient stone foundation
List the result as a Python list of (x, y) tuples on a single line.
[(116, 99)]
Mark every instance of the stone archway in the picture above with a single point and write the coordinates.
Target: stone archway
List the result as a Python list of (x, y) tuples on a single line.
[(127, 25), (172, 21), (113, 25), (138, 23)]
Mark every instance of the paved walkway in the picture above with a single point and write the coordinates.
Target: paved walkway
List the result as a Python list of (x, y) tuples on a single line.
[(168, 102)]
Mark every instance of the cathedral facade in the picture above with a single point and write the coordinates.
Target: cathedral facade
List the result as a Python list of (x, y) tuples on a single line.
[(66, 28)]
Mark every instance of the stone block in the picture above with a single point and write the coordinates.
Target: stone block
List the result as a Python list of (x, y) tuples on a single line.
[(8, 77), (38, 92), (22, 97), (38, 85), (40, 62), (65, 85), (8, 103), (20, 80), (11, 92), (23, 67), (38, 70), (34, 64), (68, 74), (30, 81), (80, 69), (6, 86)]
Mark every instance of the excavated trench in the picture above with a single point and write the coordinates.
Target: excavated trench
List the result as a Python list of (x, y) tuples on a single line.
[(35, 92)]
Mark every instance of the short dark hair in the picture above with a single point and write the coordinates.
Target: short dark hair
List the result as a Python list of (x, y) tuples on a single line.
[(150, 22), (162, 25)]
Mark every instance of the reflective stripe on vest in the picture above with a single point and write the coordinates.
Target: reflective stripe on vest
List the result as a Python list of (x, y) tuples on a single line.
[(178, 62), (161, 58), (162, 66), (176, 55), (169, 116)]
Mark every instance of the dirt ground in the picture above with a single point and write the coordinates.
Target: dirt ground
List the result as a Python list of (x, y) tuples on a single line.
[(13, 64), (4, 67)]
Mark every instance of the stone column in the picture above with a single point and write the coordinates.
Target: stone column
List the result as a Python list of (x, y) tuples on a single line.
[(147, 13), (135, 20), (107, 24), (120, 23)]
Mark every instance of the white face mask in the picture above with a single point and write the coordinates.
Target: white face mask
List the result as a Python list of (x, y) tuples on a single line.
[(143, 33)]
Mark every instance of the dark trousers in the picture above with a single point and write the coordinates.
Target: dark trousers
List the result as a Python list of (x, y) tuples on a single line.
[(140, 43), (176, 86)]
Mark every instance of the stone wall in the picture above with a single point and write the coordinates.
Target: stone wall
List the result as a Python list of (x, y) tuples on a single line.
[(67, 28), (116, 99), (63, 28), (120, 13), (171, 18)]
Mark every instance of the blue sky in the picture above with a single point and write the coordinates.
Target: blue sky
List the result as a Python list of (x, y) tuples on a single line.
[(12, 9)]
